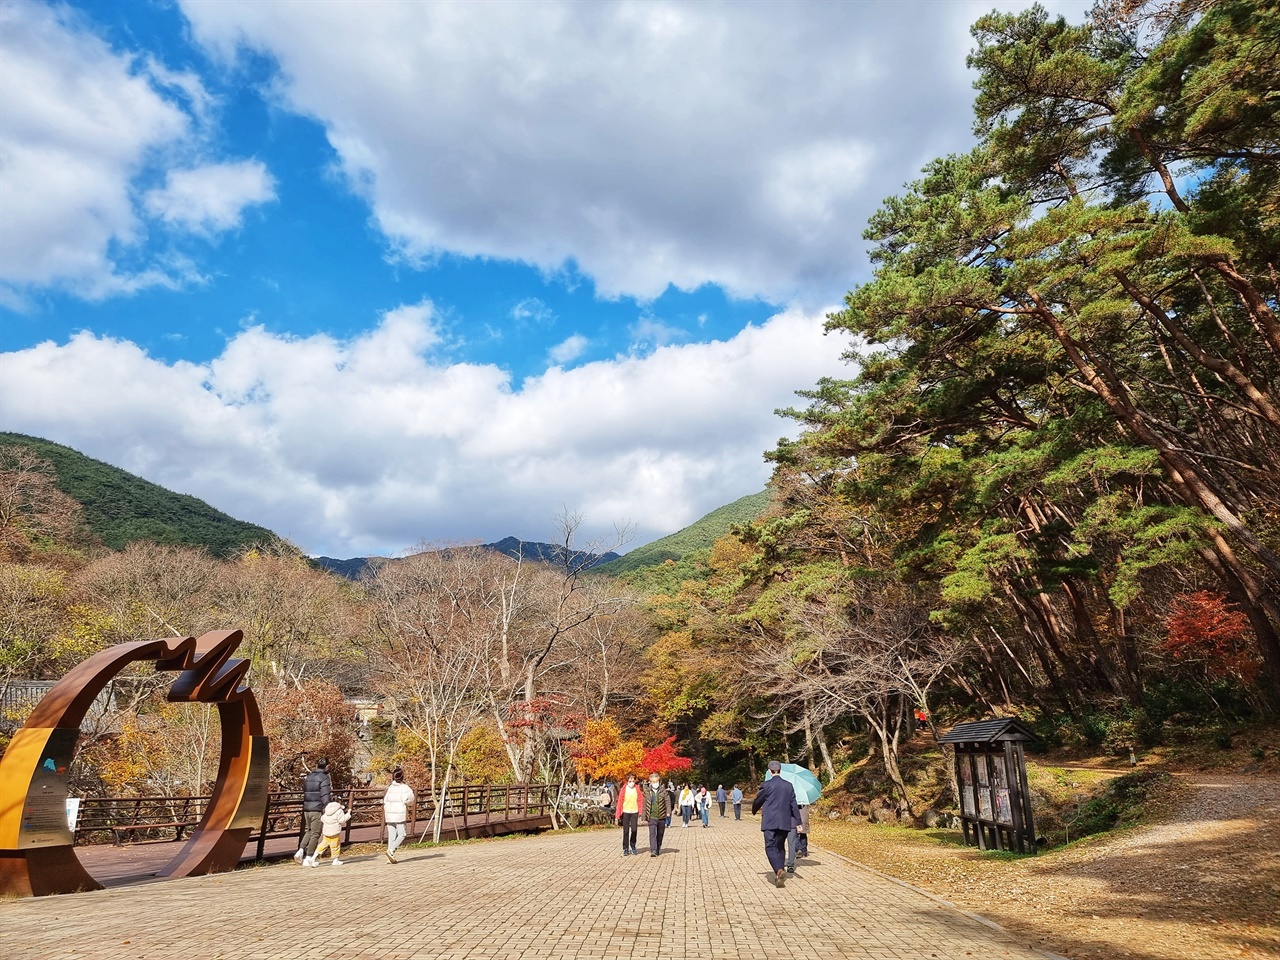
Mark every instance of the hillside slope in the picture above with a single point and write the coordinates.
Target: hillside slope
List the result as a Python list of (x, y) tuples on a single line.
[(120, 507), (699, 535)]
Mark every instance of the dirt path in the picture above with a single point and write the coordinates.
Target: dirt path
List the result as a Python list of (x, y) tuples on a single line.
[(1204, 885)]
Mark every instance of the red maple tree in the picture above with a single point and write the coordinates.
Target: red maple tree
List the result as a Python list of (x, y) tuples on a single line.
[(664, 759), (1205, 628)]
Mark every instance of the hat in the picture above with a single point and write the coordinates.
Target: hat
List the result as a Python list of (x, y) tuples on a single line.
[(775, 766)]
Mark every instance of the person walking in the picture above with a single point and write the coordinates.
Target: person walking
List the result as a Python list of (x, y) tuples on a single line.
[(776, 803), (736, 797), (395, 811), (317, 791), (657, 811), (721, 798), (628, 814), (704, 806), (331, 824), (798, 839), (686, 804), (671, 801)]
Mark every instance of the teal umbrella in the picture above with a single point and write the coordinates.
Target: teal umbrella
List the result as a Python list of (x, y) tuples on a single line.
[(808, 787)]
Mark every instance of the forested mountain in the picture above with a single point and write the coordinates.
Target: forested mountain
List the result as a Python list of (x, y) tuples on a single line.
[(120, 508), (699, 535)]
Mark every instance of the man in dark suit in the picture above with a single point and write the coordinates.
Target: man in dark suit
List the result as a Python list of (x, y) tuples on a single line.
[(777, 799)]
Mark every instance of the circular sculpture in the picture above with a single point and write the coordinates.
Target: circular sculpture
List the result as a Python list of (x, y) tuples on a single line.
[(36, 852)]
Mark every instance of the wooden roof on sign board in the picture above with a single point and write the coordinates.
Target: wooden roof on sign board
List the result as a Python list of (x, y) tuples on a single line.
[(987, 731)]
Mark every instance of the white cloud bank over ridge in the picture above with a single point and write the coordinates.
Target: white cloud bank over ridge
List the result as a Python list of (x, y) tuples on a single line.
[(369, 445)]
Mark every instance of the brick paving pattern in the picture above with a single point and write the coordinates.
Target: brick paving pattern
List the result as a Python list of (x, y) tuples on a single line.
[(558, 895)]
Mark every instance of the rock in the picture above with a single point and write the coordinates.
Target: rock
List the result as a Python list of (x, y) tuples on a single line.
[(931, 818), (833, 815)]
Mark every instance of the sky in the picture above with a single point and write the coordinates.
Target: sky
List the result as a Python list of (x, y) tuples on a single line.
[(378, 274)]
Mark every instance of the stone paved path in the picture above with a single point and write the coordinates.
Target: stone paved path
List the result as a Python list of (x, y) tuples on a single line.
[(558, 895)]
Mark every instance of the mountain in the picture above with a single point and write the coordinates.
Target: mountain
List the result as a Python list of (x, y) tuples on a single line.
[(120, 507), (352, 569), (356, 567), (549, 553), (699, 535)]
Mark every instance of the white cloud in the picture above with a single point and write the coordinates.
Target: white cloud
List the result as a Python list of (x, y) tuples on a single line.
[(371, 444), (649, 332), (568, 350), (650, 143), (77, 122), (211, 199), (532, 310)]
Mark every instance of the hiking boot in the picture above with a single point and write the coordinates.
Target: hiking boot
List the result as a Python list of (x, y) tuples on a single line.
[(791, 869), (300, 855), (780, 879), (308, 861), (390, 857), (337, 863)]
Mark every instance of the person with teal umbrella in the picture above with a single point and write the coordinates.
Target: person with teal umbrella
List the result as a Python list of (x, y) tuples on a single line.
[(808, 788)]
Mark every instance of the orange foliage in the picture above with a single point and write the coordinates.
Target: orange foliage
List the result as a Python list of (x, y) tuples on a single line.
[(1204, 628)]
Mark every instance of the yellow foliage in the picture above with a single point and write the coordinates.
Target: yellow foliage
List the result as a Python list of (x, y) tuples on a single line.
[(729, 553), (599, 738), (622, 760), (482, 758)]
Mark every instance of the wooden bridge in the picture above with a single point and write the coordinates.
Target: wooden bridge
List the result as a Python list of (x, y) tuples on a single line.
[(130, 840)]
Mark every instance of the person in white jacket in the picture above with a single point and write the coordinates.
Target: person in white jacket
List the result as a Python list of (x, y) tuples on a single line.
[(395, 811), (686, 804), (331, 824)]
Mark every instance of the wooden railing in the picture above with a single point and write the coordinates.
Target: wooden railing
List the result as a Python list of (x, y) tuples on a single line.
[(154, 819)]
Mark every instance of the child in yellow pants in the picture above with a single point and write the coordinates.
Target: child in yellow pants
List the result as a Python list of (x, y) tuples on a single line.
[(331, 824)]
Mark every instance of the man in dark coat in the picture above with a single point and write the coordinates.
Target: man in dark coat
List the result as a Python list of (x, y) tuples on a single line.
[(776, 803), (657, 810), (316, 794)]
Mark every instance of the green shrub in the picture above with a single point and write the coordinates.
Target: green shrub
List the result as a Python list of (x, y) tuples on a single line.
[(1121, 804)]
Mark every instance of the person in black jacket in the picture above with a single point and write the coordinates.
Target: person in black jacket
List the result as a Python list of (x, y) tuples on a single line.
[(316, 793), (776, 798)]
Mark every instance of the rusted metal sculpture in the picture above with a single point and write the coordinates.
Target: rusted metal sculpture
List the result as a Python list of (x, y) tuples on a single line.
[(36, 852)]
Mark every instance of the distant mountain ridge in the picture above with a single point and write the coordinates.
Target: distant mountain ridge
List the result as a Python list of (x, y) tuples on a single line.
[(357, 567), (120, 507)]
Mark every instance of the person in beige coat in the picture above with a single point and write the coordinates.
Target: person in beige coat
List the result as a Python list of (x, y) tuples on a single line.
[(331, 824)]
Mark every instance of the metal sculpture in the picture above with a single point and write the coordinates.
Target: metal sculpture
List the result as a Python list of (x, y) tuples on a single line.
[(36, 852)]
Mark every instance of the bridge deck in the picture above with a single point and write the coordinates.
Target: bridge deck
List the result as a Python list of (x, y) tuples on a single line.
[(556, 895), (140, 862)]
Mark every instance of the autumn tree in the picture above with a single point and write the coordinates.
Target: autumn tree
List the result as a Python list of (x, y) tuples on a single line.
[(33, 510), (299, 622)]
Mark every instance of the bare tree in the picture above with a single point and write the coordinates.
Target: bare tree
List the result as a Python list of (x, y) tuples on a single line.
[(32, 508), (541, 605), (435, 617), (871, 653)]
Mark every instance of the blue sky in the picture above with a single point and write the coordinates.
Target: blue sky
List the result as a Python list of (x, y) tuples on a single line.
[(377, 274)]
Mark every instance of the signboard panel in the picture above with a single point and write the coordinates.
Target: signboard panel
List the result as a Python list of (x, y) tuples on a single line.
[(44, 811), (253, 800)]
